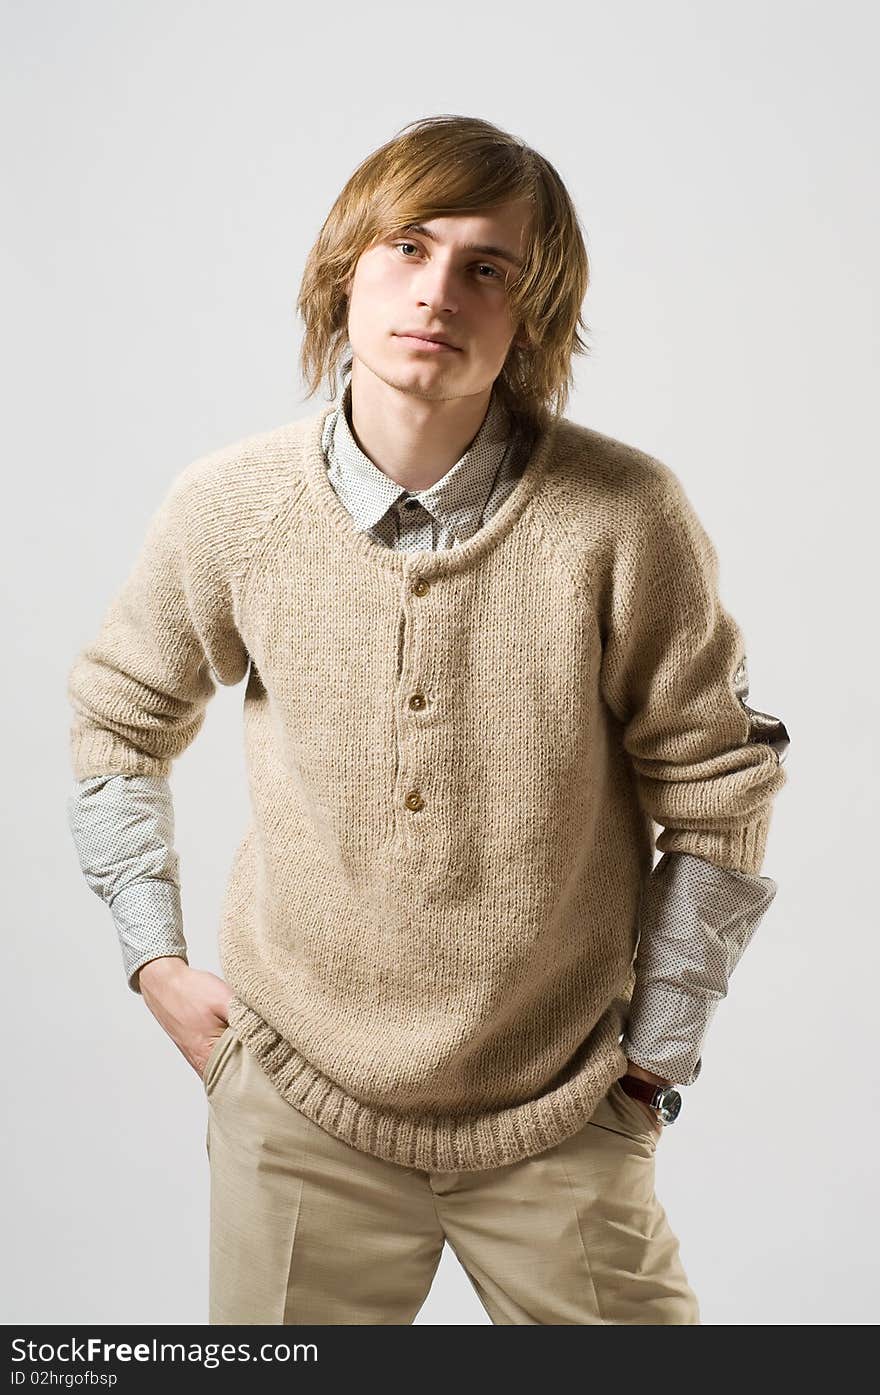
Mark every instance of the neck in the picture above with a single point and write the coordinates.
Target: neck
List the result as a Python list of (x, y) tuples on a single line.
[(413, 440)]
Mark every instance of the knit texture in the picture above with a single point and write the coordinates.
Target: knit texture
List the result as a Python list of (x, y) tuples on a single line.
[(455, 759)]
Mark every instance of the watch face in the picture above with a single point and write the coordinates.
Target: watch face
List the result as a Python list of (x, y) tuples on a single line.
[(669, 1104)]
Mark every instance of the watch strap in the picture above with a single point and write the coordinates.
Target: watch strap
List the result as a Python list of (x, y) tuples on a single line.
[(644, 1090)]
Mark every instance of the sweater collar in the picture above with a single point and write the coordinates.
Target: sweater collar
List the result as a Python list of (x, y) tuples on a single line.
[(535, 454), (457, 500)]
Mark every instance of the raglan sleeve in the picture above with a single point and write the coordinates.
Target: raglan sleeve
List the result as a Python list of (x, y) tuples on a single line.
[(138, 693), (707, 767), (139, 689)]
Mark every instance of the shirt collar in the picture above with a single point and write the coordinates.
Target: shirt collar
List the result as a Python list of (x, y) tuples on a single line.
[(457, 500)]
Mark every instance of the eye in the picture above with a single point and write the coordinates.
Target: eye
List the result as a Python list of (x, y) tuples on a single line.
[(494, 274)]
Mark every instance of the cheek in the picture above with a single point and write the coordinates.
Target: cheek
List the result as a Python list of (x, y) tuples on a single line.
[(500, 329), (370, 276), (376, 295), (366, 283)]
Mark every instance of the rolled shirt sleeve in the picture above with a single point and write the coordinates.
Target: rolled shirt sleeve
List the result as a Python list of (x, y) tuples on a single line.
[(696, 920), (123, 830)]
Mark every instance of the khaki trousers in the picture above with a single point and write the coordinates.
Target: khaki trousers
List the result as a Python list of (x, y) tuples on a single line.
[(305, 1229)]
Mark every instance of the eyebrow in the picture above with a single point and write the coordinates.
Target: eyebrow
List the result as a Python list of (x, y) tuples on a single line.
[(487, 248)]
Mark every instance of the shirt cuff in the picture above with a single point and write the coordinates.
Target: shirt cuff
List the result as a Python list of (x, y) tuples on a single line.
[(148, 920), (666, 1030)]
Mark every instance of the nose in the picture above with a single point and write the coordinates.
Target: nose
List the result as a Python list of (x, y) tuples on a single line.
[(436, 288)]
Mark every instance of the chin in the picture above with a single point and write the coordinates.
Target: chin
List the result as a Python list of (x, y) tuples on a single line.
[(423, 380)]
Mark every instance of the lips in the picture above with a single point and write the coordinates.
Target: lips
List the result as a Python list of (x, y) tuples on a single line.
[(430, 341)]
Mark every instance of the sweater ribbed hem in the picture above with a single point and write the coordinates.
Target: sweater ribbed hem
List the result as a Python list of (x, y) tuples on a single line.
[(438, 1144)]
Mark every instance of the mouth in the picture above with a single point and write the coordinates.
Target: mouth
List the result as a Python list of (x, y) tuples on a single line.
[(436, 346)]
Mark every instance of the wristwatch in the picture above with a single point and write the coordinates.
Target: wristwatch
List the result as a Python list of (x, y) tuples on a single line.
[(664, 1098)]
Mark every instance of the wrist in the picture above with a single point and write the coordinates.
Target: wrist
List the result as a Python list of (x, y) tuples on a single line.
[(160, 969), (641, 1074)]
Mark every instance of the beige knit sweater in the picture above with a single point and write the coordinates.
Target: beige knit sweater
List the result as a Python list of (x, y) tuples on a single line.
[(455, 759)]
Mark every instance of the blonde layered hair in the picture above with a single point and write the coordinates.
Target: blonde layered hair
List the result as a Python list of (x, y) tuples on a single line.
[(443, 165)]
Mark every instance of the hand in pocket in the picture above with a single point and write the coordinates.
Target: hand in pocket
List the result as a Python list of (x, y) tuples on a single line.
[(192, 1006), (209, 1050)]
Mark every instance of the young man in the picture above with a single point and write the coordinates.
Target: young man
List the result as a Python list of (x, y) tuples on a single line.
[(485, 653)]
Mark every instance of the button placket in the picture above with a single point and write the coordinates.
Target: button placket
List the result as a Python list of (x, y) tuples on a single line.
[(414, 798), (417, 701)]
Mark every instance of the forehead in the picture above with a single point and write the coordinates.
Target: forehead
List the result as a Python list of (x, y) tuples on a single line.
[(509, 216)]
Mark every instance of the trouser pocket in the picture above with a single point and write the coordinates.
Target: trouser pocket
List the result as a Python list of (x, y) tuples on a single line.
[(217, 1055)]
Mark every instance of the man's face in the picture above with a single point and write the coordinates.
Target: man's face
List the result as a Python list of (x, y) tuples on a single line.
[(428, 280)]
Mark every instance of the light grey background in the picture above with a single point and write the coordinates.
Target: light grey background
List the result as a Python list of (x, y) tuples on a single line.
[(167, 167)]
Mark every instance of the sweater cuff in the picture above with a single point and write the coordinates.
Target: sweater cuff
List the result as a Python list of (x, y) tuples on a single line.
[(739, 849), (97, 751)]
